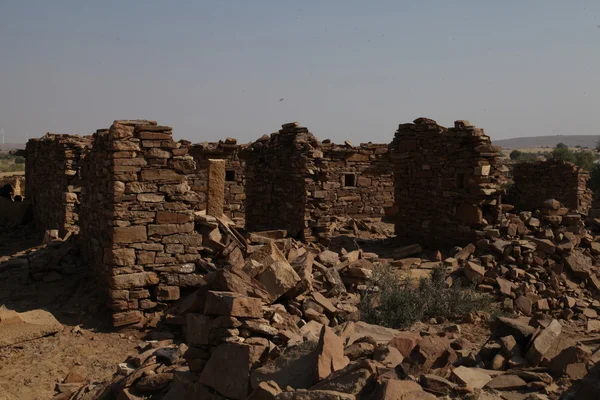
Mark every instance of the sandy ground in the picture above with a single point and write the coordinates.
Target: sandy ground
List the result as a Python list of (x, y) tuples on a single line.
[(87, 345)]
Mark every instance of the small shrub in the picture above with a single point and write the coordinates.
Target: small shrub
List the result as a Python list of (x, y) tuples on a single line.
[(396, 303)]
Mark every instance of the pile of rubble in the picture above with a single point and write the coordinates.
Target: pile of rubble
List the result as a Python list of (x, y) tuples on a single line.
[(280, 320), (542, 263)]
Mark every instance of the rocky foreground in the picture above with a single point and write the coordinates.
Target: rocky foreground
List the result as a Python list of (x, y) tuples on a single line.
[(284, 321)]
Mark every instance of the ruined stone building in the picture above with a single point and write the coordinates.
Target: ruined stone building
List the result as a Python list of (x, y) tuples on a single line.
[(235, 175), (358, 181), (53, 180), (446, 182), (296, 183), (537, 181), (137, 219), (282, 184), (133, 193)]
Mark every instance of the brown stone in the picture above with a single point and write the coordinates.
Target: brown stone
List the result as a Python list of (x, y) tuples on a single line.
[(228, 370), (120, 257), (216, 188), (330, 354), (405, 342), (130, 234), (232, 304), (135, 280)]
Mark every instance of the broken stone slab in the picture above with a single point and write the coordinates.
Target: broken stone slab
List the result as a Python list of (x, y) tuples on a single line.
[(437, 384), (265, 391), (330, 354), (405, 342), (471, 377), (570, 355), (278, 278), (380, 334), (324, 302), (432, 352), (579, 264), (21, 327), (518, 328), (474, 272), (543, 343), (232, 304), (328, 258), (406, 251), (396, 389), (314, 395), (506, 382), (228, 369), (351, 379)]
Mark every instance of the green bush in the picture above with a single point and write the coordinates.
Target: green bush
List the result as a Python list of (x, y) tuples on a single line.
[(396, 303)]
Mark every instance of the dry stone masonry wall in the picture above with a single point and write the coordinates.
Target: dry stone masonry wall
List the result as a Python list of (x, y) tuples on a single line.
[(283, 190), (139, 218), (53, 180), (358, 181), (535, 182), (447, 181), (235, 175)]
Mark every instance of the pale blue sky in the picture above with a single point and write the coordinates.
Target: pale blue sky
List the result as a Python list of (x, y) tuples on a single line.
[(346, 69)]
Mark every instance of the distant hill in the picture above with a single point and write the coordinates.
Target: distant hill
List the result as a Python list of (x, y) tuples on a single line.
[(550, 141), (11, 146)]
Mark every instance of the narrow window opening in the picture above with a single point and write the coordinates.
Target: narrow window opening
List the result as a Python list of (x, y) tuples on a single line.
[(230, 176), (349, 180)]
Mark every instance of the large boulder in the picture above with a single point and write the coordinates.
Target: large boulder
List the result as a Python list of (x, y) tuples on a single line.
[(228, 370)]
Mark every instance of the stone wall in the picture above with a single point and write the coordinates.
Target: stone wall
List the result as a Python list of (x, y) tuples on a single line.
[(138, 218), (17, 181), (447, 182), (235, 177), (53, 180), (358, 180), (535, 182), (283, 187)]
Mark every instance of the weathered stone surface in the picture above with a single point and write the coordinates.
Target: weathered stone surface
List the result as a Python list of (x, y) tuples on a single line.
[(351, 379), (579, 264), (130, 234), (395, 389), (506, 382), (235, 359), (314, 395), (136, 280), (278, 278), (471, 377), (518, 328), (216, 188), (543, 343), (380, 334), (265, 391), (120, 257), (232, 304), (330, 353), (405, 342)]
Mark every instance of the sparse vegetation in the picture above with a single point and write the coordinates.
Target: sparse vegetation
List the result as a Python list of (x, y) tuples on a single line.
[(396, 303), (11, 163), (521, 156)]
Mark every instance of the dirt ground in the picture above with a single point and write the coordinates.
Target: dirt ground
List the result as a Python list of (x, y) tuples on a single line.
[(85, 346)]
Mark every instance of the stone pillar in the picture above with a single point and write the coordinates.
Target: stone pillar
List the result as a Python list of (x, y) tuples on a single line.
[(215, 201)]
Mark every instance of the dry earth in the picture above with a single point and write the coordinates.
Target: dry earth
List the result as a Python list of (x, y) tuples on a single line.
[(86, 346)]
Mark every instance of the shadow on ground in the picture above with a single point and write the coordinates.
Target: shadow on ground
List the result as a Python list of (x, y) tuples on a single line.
[(52, 278)]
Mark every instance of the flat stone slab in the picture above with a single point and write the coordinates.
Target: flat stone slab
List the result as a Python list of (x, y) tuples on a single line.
[(21, 327)]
